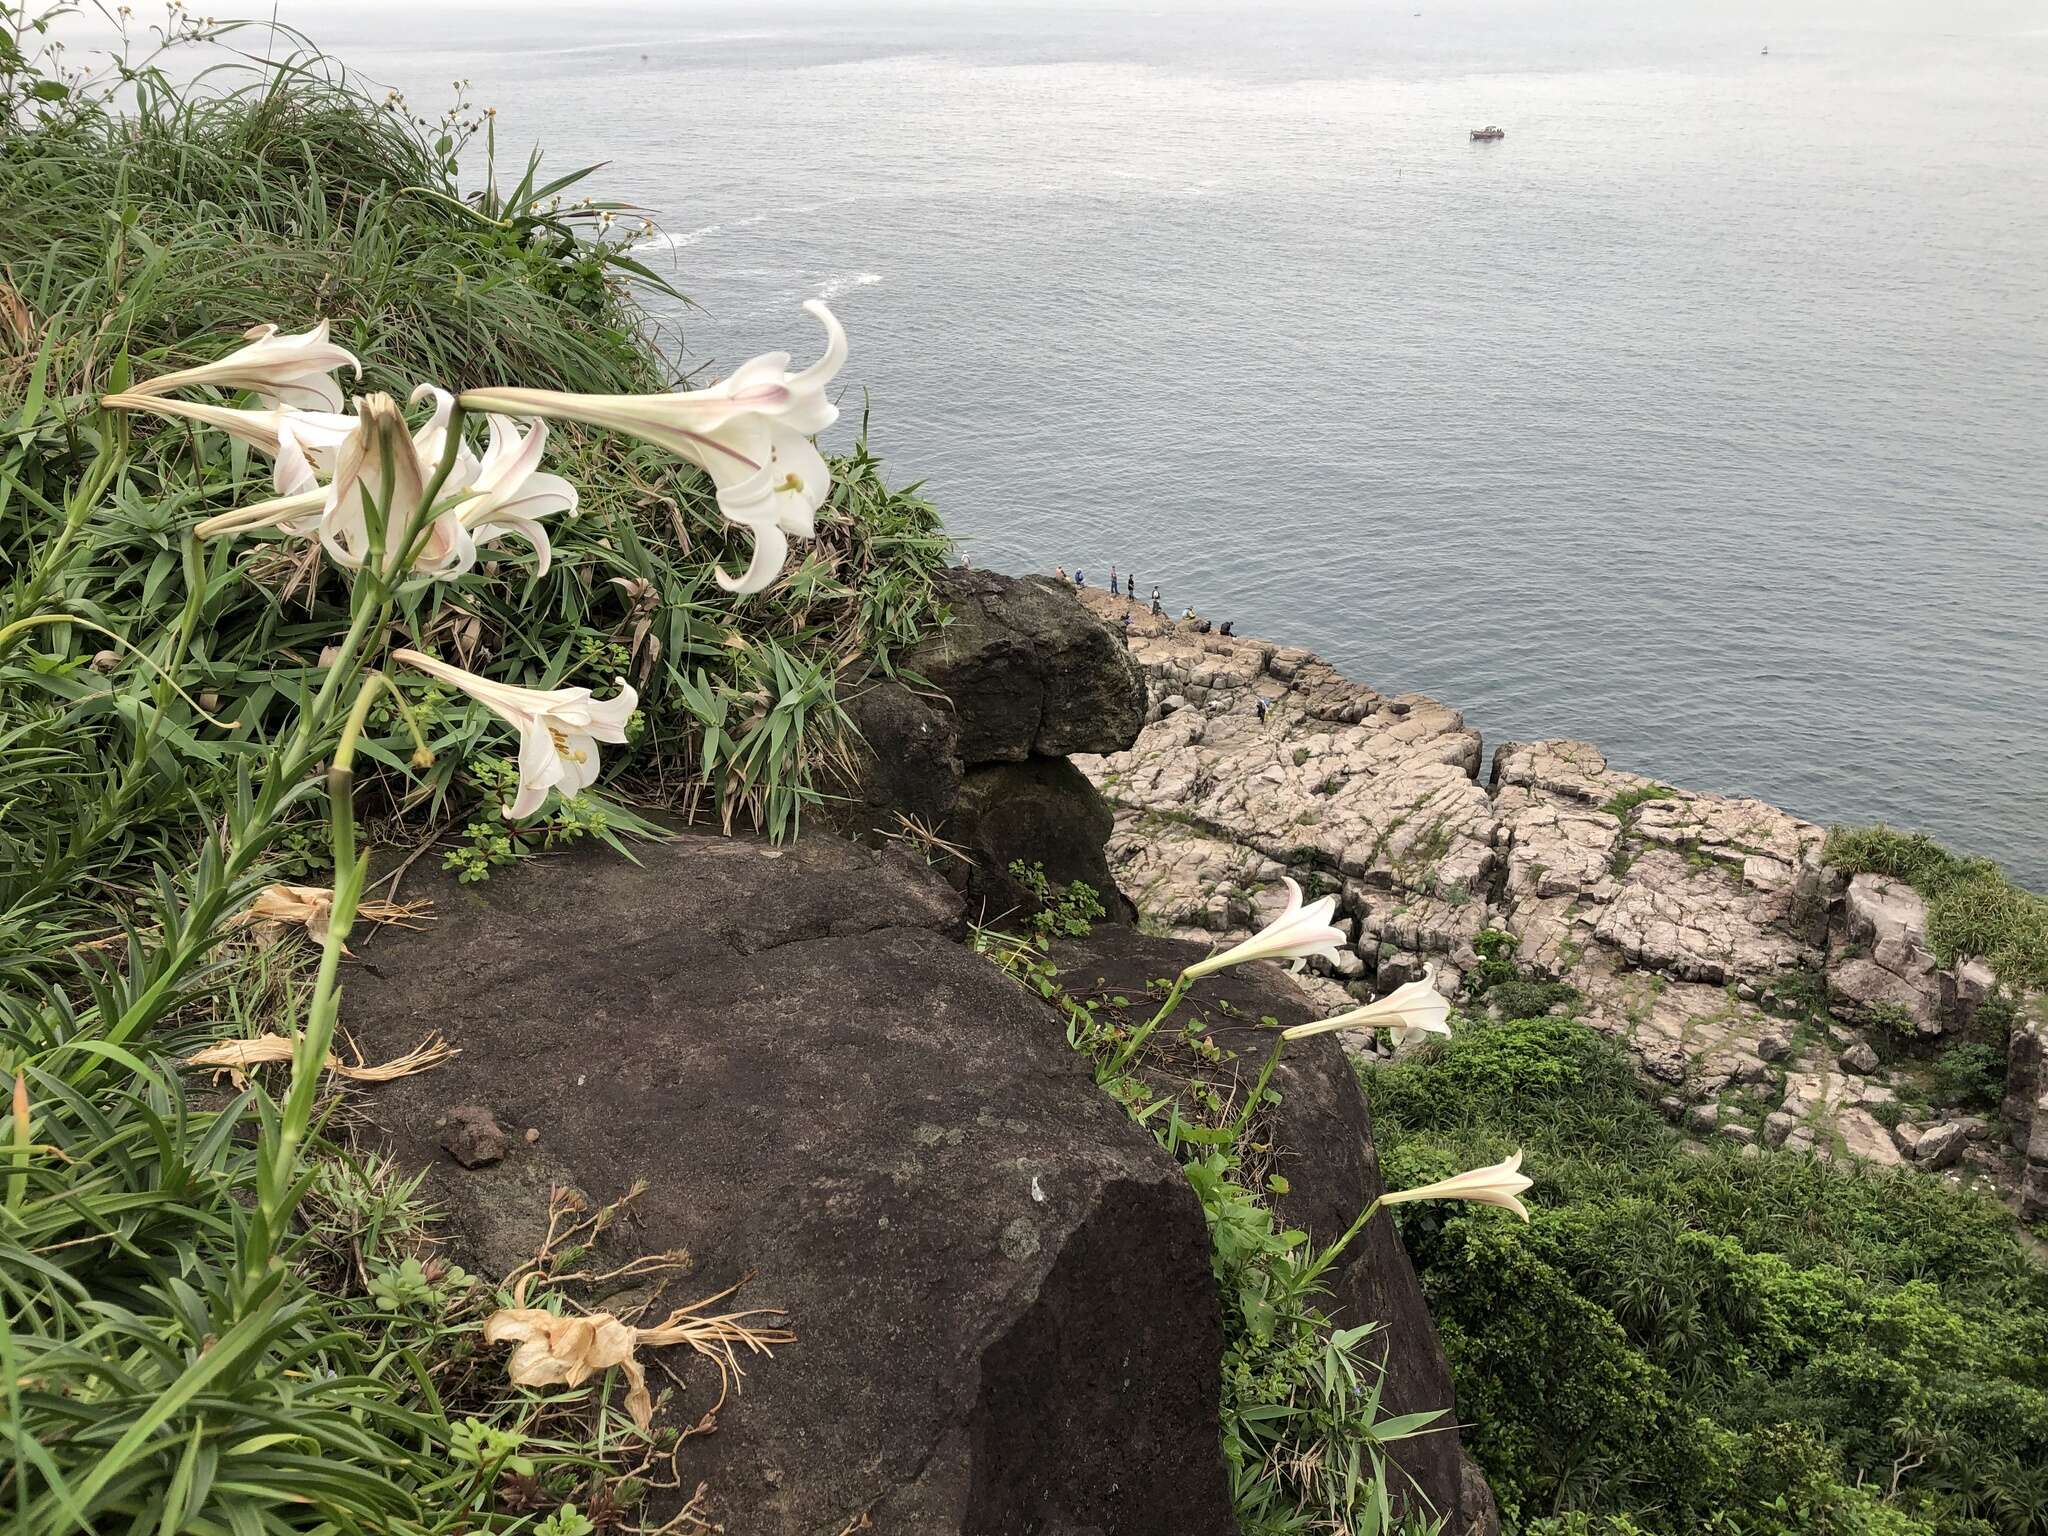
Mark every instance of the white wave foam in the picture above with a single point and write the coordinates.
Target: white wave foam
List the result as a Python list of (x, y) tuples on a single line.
[(834, 287)]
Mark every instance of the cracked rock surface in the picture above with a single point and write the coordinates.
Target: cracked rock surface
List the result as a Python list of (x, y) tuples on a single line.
[(1701, 930)]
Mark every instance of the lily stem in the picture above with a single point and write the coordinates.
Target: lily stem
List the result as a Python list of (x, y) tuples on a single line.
[(1128, 1052), (1331, 1254)]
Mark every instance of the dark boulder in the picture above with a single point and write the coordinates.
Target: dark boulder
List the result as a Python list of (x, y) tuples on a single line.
[(1042, 811), (907, 759), (1322, 1138), (1000, 1287), (1028, 669), (968, 743)]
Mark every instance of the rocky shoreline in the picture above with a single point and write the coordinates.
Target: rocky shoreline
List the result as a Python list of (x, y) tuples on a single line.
[(1768, 998)]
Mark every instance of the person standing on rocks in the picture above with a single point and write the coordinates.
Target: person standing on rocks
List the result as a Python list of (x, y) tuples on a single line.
[(1112, 581), (1060, 573), (1127, 629), (1261, 710), (1155, 603)]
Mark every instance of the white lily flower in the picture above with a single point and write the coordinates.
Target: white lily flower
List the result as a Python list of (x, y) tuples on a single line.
[(317, 432), (1497, 1185), (1295, 934), (751, 432), (304, 444), (1411, 1010), (380, 463), (280, 370), (510, 494), (559, 728)]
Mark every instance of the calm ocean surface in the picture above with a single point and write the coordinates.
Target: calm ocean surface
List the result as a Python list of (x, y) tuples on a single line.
[(1705, 416)]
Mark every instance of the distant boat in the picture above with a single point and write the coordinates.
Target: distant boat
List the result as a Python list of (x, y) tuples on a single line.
[(1489, 132), (1767, 50)]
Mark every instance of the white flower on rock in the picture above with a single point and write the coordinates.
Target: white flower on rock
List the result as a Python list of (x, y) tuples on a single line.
[(559, 728), (295, 371), (1408, 1011), (1297, 933), (751, 432)]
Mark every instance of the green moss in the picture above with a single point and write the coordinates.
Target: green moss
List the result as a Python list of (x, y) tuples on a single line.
[(1624, 804)]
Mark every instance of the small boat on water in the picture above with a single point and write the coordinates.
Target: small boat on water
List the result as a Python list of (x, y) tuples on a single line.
[(1767, 50), (1489, 132)]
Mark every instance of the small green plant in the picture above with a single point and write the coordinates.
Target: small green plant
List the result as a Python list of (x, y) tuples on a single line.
[(566, 1521), (1069, 913), (1892, 1022), (1970, 1076)]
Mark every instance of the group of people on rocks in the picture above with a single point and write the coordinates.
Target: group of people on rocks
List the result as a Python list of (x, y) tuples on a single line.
[(1126, 586)]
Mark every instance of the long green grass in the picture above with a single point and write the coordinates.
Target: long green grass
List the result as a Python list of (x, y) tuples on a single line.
[(1972, 908), (171, 1360)]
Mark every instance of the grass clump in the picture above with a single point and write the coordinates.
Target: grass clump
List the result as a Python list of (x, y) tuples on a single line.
[(1972, 909), (1684, 1341), (1623, 803)]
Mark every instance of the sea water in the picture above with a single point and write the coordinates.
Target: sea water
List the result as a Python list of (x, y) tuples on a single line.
[(1705, 416)]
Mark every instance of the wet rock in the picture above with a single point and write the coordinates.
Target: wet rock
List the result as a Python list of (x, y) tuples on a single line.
[(471, 1135), (1000, 1287), (907, 758), (969, 768), (1042, 811)]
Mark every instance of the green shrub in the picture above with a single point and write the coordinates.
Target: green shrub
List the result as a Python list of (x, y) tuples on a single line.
[(1971, 1075), (1683, 1340), (1499, 984), (1972, 909)]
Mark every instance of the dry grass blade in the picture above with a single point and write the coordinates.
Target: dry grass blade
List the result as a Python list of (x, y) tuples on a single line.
[(238, 1057), (914, 833), (567, 1351)]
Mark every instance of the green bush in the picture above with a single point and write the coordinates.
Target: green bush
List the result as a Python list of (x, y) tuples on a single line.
[(1970, 1075), (1972, 909), (1686, 1340)]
